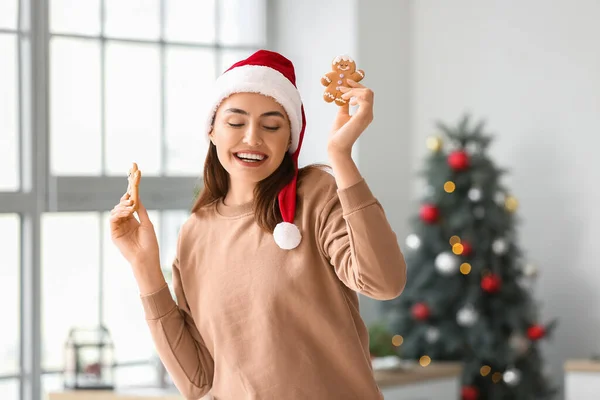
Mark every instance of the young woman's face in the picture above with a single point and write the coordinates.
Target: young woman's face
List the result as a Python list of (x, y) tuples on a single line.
[(252, 134)]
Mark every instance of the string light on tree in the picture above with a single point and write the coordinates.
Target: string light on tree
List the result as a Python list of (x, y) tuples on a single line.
[(449, 187), (474, 194), (447, 263), (518, 343), (511, 204), (530, 270), (465, 268), (467, 316), (413, 241), (432, 335), (496, 377), (453, 240), (500, 246), (434, 143), (397, 340), (512, 377)]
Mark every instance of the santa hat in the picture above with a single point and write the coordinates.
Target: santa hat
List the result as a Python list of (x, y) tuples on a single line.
[(270, 74)]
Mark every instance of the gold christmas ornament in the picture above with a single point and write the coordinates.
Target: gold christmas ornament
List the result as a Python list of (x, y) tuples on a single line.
[(465, 268), (449, 186), (454, 239), (457, 248), (496, 377), (434, 143), (511, 204)]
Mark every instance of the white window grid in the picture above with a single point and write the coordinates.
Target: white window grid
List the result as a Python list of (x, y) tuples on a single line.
[(40, 192)]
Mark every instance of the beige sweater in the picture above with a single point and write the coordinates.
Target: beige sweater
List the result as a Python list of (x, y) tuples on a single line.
[(253, 321)]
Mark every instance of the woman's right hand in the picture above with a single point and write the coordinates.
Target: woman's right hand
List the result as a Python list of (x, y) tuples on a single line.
[(136, 240)]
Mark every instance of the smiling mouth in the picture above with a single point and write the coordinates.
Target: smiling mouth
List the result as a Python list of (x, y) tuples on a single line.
[(250, 157), (344, 68)]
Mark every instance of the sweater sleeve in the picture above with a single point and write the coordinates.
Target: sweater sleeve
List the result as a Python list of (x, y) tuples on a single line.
[(362, 247), (177, 340)]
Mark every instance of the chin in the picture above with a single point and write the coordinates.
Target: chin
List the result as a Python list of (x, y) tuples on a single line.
[(252, 175)]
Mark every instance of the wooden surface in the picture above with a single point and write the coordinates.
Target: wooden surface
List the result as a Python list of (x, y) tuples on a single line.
[(385, 379), (433, 371), (138, 394), (582, 366)]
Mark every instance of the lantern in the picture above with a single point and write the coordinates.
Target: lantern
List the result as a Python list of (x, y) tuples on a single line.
[(89, 359)]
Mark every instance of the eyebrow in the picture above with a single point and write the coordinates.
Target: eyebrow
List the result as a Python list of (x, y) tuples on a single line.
[(267, 114)]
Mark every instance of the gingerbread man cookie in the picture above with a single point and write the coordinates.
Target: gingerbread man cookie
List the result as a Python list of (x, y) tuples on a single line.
[(343, 67), (134, 177)]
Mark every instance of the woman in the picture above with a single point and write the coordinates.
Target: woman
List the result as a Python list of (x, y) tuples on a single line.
[(269, 264)]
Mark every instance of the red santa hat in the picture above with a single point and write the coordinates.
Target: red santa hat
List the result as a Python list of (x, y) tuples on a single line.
[(270, 74)]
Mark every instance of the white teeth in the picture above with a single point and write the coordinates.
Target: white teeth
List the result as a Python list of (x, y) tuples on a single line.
[(251, 156)]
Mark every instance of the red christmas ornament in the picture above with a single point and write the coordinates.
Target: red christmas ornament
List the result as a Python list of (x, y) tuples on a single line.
[(536, 332), (469, 393), (458, 160), (467, 249), (420, 311), (429, 213), (491, 283)]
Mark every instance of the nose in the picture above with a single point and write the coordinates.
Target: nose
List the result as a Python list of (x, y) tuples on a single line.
[(252, 136)]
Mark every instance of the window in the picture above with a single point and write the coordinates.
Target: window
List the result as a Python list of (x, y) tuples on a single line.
[(88, 280), (9, 275), (127, 88), (9, 96), (87, 88)]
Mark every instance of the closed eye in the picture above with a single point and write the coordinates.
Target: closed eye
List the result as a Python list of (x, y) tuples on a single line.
[(271, 128), (235, 125)]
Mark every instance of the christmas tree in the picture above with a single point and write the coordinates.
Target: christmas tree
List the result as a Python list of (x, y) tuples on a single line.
[(468, 297)]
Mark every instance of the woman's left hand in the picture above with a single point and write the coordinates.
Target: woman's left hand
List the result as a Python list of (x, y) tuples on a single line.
[(347, 128)]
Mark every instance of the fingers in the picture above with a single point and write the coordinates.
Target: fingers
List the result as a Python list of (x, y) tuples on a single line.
[(354, 84), (124, 197), (143, 214), (122, 210), (362, 92), (357, 95)]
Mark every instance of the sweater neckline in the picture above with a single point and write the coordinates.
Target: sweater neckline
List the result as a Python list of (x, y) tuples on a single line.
[(237, 210)]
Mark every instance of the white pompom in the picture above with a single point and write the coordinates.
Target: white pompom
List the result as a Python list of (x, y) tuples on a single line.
[(287, 236)]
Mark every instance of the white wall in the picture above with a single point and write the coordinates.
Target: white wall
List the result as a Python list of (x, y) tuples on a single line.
[(311, 33), (298, 30), (532, 69)]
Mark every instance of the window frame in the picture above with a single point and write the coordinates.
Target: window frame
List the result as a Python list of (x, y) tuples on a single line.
[(40, 192)]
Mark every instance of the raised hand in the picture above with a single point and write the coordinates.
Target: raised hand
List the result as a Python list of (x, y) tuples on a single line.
[(348, 128)]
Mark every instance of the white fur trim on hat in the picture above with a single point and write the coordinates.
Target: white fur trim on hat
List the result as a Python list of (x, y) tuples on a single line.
[(263, 80), (287, 235)]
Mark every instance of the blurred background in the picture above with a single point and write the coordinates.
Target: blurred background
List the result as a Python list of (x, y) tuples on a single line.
[(89, 86)]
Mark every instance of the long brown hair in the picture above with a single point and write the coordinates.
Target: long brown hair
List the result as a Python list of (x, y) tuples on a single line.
[(266, 205)]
